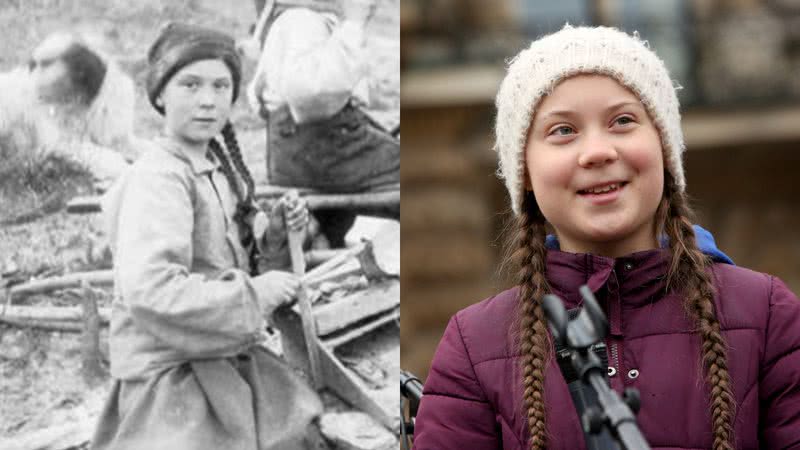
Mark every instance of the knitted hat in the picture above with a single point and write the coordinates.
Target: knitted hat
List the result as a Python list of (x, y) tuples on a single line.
[(179, 45), (536, 71)]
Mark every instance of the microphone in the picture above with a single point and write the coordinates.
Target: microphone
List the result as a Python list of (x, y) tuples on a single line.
[(600, 408), (583, 397), (410, 388)]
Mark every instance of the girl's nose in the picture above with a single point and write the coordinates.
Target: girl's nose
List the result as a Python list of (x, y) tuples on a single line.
[(598, 150), (207, 97)]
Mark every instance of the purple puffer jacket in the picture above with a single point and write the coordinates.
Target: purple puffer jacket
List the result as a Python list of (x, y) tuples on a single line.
[(473, 396)]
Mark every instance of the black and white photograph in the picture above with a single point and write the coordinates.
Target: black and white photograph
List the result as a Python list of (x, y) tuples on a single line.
[(200, 224)]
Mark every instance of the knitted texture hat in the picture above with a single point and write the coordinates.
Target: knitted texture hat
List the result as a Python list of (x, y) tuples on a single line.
[(536, 71), (179, 45)]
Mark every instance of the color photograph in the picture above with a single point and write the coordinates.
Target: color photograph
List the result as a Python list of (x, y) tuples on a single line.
[(600, 220)]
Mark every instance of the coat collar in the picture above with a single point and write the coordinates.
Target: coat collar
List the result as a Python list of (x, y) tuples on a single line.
[(200, 164), (639, 278)]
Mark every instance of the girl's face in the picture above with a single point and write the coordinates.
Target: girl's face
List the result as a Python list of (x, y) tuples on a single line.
[(594, 162), (197, 101)]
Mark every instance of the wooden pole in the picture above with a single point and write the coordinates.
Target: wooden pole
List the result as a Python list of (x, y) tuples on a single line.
[(91, 365), (304, 302), (94, 278), (315, 200), (64, 314)]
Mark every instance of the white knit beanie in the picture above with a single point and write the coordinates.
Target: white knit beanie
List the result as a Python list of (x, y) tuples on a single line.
[(536, 71)]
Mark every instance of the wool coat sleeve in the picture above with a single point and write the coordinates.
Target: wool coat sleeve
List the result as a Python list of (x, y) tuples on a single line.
[(454, 412), (200, 315), (779, 387)]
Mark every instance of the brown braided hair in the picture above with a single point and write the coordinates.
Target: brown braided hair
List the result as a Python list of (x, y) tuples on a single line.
[(530, 256), (689, 268)]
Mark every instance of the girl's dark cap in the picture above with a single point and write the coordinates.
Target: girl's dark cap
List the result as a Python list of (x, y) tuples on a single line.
[(180, 44)]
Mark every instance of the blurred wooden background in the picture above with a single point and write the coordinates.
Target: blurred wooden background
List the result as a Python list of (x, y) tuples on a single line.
[(738, 62)]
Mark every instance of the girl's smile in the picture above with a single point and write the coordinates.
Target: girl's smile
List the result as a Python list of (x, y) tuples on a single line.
[(594, 162), (603, 193)]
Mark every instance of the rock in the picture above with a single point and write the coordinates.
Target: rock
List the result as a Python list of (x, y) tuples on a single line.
[(15, 344), (10, 268), (353, 430)]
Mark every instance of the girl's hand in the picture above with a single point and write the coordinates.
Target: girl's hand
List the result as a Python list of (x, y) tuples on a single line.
[(296, 210), (276, 288)]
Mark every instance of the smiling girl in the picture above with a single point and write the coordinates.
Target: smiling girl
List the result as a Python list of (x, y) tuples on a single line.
[(188, 316), (589, 143)]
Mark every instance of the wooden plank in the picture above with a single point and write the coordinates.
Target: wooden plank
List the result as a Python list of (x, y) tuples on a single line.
[(92, 278), (348, 386), (315, 200), (357, 332), (269, 190), (336, 316), (50, 313), (64, 327)]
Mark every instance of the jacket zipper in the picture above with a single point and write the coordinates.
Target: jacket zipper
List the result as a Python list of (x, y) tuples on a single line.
[(613, 341), (614, 356)]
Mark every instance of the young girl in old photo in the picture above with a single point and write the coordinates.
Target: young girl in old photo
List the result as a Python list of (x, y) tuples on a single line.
[(188, 314), (590, 148)]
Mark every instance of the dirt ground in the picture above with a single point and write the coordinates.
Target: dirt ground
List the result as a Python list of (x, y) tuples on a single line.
[(41, 382)]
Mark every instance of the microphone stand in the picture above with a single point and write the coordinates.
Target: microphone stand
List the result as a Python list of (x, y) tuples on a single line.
[(609, 411), (411, 389)]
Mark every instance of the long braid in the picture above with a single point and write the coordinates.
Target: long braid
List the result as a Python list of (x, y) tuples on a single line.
[(534, 343), (689, 268), (229, 136), (227, 169), (245, 205)]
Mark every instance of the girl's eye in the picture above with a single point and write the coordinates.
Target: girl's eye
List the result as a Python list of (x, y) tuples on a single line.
[(623, 120), (563, 130), (191, 84), (222, 86)]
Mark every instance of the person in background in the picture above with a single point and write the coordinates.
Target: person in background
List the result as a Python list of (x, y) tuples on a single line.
[(311, 88)]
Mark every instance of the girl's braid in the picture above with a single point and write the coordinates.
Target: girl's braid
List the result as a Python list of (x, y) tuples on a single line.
[(229, 136), (534, 342), (245, 205), (690, 268)]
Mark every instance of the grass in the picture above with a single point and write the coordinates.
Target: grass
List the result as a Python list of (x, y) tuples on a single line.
[(36, 184)]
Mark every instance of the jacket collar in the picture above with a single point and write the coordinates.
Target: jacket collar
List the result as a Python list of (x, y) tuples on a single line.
[(638, 278), (705, 242), (200, 164)]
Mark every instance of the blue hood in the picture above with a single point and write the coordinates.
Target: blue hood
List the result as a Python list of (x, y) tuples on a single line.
[(705, 241)]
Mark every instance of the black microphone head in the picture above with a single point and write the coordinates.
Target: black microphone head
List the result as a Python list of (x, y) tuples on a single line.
[(557, 319)]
